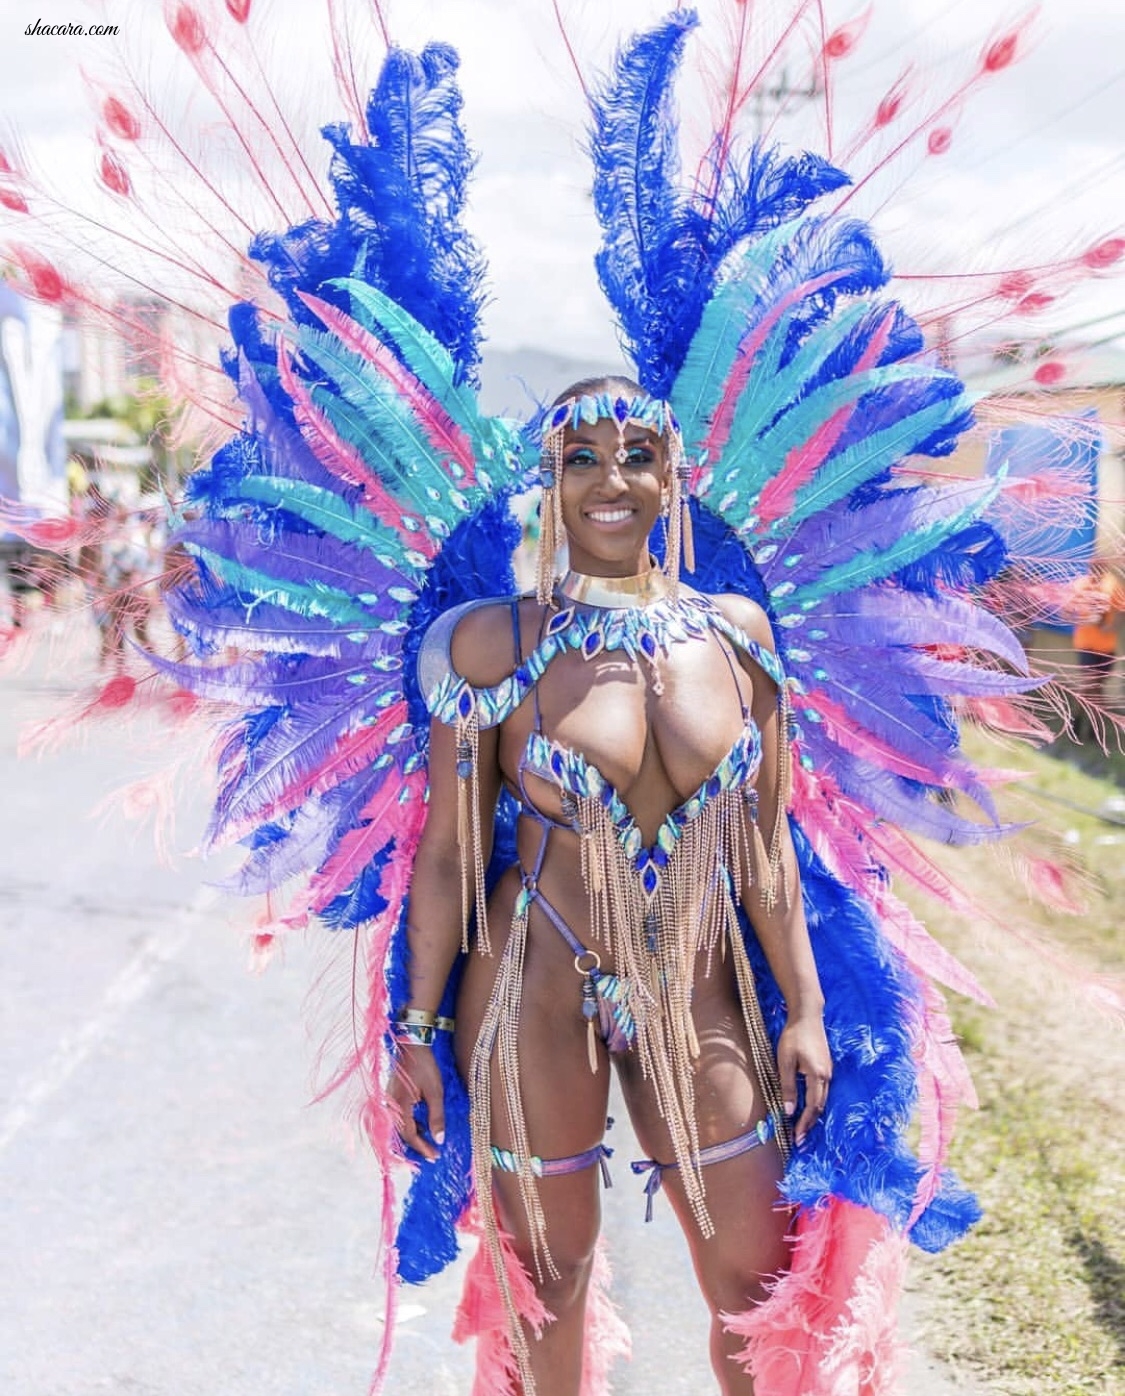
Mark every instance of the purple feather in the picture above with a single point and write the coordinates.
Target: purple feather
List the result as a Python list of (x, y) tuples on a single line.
[(288, 679), (305, 559), (229, 618), (284, 450), (840, 533), (316, 829), (299, 741), (889, 615), (900, 802), (955, 678)]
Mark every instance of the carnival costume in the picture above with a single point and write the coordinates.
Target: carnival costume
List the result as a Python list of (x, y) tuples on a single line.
[(364, 507)]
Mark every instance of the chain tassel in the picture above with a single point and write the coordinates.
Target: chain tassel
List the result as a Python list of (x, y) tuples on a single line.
[(551, 530), (467, 738)]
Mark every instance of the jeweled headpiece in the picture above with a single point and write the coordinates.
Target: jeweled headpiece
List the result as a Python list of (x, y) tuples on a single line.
[(640, 410)]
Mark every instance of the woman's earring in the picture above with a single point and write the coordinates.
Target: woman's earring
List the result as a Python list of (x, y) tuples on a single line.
[(678, 533), (550, 516)]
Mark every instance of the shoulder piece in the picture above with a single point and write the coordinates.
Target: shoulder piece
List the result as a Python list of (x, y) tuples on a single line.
[(437, 677)]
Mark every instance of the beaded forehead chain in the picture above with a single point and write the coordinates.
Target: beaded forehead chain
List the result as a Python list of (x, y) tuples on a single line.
[(649, 413)]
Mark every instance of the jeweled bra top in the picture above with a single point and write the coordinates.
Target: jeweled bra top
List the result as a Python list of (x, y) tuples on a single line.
[(642, 633)]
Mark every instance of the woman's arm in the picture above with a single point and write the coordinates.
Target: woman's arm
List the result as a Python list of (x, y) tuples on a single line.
[(434, 929), (780, 923)]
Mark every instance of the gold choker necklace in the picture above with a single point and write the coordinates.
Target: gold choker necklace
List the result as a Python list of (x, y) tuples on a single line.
[(615, 593)]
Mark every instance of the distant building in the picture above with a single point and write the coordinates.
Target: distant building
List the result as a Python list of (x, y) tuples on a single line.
[(32, 452)]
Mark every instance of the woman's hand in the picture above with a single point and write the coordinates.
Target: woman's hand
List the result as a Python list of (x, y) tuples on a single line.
[(803, 1051), (417, 1077)]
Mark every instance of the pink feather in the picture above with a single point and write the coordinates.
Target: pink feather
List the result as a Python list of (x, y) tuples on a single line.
[(346, 463), (444, 434), (481, 1314), (943, 1085), (351, 754), (926, 956), (396, 810), (843, 730), (723, 417), (802, 462), (830, 1324), (606, 1338)]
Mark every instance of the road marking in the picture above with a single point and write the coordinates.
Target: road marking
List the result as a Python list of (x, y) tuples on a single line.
[(128, 988)]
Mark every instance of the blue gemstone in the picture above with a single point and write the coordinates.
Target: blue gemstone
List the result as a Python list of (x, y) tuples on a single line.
[(714, 787), (560, 621), (620, 408), (464, 769), (561, 413), (660, 858), (521, 675), (465, 703), (592, 643), (650, 880), (556, 763), (648, 644)]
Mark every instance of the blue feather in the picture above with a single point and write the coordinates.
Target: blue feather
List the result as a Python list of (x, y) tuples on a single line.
[(400, 198), (646, 250)]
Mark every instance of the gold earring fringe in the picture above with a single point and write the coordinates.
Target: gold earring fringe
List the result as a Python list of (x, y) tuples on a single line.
[(687, 534), (673, 538), (679, 537), (550, 518)]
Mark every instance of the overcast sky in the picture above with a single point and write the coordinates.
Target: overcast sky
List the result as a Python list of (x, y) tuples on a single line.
[(1035, 170)]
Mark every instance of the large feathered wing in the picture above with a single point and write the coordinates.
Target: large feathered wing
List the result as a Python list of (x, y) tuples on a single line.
[(365, 494), (810, 410)]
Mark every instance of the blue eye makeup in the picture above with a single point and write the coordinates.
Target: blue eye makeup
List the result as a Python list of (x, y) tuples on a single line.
[(637, 457)]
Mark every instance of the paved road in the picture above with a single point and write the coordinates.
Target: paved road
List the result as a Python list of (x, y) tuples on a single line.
[(178, 1220)]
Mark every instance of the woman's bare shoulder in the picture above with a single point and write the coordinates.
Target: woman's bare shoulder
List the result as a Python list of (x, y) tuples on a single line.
[(750, 618), (484, 644)]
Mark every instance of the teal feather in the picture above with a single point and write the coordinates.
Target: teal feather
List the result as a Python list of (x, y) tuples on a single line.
[(331, 514), (773, 388), (865, 459), (798, 425), (394, 453), (371, 415), (315, 600), (422, 354), (724, 323)]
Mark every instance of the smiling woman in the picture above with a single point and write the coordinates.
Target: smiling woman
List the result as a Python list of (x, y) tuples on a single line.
[(615, 936), (645, 817)]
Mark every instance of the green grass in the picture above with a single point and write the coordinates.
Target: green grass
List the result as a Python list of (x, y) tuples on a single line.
[(1033, 1301)]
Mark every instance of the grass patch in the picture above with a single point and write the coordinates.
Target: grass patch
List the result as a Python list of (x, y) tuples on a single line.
[(1033, 1301)]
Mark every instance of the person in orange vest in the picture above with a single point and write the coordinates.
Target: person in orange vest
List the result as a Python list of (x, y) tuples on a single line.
[(1099, 604)]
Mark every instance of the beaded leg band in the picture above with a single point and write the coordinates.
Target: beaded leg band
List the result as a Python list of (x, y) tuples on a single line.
[(507, 1162), (761, 1134)]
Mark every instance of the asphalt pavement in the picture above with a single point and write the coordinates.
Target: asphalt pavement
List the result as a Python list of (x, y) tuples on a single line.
[(178, 1218)]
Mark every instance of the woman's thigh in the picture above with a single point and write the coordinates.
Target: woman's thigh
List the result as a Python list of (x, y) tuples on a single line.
[(564, 1103), (742, 1194)]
